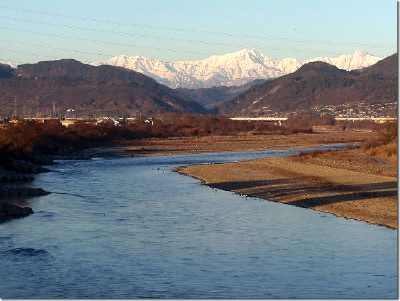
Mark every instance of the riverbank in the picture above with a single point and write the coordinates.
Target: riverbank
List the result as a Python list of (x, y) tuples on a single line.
[(15, 186), (346, 183), (237, 143)]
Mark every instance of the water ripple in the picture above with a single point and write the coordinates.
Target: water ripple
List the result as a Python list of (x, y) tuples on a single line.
[(27, 252)]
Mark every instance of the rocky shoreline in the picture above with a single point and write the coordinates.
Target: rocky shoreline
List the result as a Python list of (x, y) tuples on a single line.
[(17, 174), (13, 181)]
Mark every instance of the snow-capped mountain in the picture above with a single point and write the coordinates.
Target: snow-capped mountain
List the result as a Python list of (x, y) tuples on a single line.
[(8, 63), (231, 69), (357, 60)]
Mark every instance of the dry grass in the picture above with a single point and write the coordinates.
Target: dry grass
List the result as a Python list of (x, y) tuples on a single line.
[(237, 143), (386, 151), (384, 146)]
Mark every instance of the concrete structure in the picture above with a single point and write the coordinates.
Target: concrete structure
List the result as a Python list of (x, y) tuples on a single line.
[(280, 119)]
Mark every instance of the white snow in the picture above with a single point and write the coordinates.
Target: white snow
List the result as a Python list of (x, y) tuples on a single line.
[(358, 60), (8, 63), (230, 69)]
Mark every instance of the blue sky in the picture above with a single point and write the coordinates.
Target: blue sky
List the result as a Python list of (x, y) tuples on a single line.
[(171, 30)]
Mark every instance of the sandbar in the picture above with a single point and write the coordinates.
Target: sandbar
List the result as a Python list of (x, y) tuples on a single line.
[(342, 183)]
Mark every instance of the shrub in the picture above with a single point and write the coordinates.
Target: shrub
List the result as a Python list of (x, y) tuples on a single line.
[(385, 145), (299, 123)]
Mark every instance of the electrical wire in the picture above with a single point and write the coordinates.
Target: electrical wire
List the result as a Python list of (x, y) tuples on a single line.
[(91, 40), (191, 30), (153, 48), (186, 40)]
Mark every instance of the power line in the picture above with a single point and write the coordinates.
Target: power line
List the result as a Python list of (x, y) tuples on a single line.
[(146, 36), (140, 35), (184, 40), (92, 53), (98, 41), (58, 48), (193, 30), (28, 53), (149, 47), (9, 61)]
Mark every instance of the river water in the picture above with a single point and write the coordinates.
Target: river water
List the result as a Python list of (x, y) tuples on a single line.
[(132, 228)]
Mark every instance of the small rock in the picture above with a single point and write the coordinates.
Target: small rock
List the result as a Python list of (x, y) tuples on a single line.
[(10, 210)]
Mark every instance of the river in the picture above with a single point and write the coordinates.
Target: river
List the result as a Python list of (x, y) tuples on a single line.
[(132, 228)]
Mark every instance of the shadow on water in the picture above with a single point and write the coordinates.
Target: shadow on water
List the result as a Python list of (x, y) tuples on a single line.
[(362, 193), (281, 188), (17, 202), (27, 252), (6, 219)]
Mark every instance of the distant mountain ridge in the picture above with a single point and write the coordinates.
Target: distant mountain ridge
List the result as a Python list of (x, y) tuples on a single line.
[(233, 69), (318, 86), (57, 87), (214, 96)]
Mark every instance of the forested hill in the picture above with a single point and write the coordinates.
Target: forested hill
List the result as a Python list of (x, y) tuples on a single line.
[(318, 84), (67, 85), (214, 96)]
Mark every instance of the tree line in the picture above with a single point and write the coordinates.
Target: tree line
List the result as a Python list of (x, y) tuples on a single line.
[(51, 137)]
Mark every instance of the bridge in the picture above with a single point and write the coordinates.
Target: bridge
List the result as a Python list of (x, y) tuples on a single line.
[(260, 118), (375, 119), (280, 119)]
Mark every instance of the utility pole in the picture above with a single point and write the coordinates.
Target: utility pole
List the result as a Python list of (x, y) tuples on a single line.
[(37, 106), (54, 110), (15, 107)]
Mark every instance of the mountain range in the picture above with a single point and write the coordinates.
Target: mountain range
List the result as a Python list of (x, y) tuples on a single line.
[(56, 87), (317, 85), (233, 69), (68, 87)]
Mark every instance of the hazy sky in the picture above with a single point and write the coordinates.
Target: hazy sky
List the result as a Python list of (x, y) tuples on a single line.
[(171, 30)]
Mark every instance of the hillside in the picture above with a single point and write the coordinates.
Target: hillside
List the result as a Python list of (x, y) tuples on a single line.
[(214, 96), (70, 87), (318, 86), (6, 71)]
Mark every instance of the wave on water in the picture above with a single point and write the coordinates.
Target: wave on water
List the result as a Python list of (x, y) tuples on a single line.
[(68, 193), (46, 214), (27, 252)]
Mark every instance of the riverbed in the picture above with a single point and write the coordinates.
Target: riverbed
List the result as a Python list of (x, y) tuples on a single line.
[(132, 228)]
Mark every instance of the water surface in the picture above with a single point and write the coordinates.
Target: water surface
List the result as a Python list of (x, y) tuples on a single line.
[(130, 228)]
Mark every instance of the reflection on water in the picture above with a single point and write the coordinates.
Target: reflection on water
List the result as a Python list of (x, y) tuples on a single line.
[(131, 228)]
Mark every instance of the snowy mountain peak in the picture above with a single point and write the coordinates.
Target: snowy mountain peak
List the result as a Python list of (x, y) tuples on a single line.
[(9, 64), (230, 69), (361, 53), (246, 53), (242, 55), (357, 60)]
